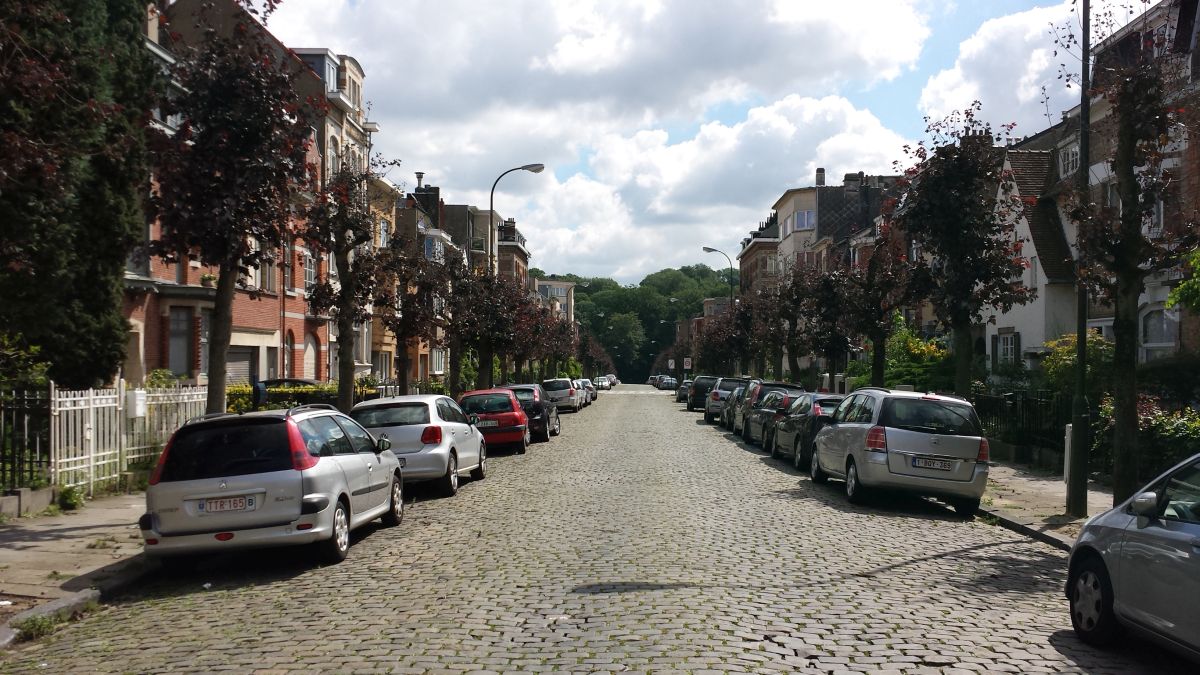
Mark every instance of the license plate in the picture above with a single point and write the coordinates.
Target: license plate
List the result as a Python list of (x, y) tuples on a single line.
[(938, 464), (488, 423), (227, 504)]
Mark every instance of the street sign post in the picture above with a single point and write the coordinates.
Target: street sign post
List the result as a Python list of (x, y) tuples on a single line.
[(670, 364)]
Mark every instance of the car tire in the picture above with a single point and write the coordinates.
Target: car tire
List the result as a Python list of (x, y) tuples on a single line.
[(965, 507), (1091, 603), (771, 443), (708, 418), (815, 472), (544, 435), (798, 456), (335, 549), (480, 472), (746, 434), (395, 512), (856, 493), (557, 429), (448, 484)]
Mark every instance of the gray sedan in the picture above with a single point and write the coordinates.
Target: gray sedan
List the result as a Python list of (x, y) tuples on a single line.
[(1138, 566)]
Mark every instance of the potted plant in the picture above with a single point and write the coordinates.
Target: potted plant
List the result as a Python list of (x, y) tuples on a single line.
[(208, 279)]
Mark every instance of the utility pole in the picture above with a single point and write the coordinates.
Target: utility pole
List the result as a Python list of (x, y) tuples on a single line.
[(1080, 415)]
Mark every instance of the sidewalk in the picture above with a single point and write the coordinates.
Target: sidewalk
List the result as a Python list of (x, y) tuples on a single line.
[(1034, 502), (55, 563)]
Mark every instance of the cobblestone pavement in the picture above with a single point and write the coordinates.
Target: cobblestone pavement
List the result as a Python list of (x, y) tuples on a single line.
[(640, 540)]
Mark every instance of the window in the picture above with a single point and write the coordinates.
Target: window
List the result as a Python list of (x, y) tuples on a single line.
[(205, 329), (385, 231), (1154, 224), (772, 263), (289, 352), (806, 220), (1068, 161), (1181, 495), (310, 270), (1112, 196), (359, 438), (1159, 331), (179, 345), (267, 271), (289, 259), (843, 411), (439, 361), (332, 436), (864, 412)]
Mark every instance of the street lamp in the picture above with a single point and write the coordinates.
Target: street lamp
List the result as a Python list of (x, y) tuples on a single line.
[(532, 168), (709, 249)]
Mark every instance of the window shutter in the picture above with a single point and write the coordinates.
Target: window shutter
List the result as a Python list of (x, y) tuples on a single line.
[(995, 351), (1017, 358)]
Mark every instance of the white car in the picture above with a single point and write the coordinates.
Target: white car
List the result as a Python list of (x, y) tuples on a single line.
[(434, 438)]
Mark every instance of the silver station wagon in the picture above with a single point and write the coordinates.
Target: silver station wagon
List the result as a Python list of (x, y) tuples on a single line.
[(305, 475), (902, 440)]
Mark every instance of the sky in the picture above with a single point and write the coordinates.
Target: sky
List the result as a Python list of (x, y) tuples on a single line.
[(670, 125)]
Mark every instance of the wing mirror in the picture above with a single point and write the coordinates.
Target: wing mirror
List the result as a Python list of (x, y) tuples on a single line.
[(1146, 504), (473, 419), (382, 444)]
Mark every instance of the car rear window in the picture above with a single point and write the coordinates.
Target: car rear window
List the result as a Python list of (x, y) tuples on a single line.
[(395, 415), (486, 403), (216, 450), (523, 394), (829, 404), (729, 385), (704, 381), (930, 416), (556, 385)]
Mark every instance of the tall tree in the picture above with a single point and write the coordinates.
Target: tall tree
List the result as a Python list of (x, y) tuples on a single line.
[(412, 303), (959, 206), (75, 87), (226, 178)]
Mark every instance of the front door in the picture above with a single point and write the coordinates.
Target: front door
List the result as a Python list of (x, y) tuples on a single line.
[(352, 463), (378, 479)]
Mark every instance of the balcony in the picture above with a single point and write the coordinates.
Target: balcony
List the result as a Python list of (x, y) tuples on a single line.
[(340, 99), (512, 235)]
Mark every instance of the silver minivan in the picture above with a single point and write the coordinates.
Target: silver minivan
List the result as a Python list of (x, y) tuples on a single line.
[(305, 475), (923, 443), (564, 393)]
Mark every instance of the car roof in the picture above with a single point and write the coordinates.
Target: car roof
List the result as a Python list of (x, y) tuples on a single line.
[(900, 393), (388, 400), (493, 390)]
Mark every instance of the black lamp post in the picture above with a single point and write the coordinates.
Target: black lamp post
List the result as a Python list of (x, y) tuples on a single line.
[(533, 168), (709, 249)]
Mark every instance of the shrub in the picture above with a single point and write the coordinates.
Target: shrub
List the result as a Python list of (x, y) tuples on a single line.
[(1059, 365), (1176, 380), (70, 498), (1164, 437), (161, 378)]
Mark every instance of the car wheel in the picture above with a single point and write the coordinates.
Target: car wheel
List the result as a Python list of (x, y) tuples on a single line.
[(557, 425), (965, 507), (815, 472), (771, 441), (449, 482), (335, 548), (544, 435), (801, 453), (708, 418), (480, 472), (395, 512), (746, 433), (690, 408), (1091, 601), (855, 492)]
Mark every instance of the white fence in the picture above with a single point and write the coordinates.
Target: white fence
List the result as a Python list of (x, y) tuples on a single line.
[(96, 434)]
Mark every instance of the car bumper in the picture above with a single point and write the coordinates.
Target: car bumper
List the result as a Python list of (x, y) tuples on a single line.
[(504, 434), (425, 465), (873, 472), (714, 407), (260, 537)]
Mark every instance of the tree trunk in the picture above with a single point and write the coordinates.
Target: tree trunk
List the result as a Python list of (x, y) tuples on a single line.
[(518, 369), (402, 367), (219, 336), (345, 351), (1125, 417), (878, 358), (483, 380), (455, 367), (964, 355)]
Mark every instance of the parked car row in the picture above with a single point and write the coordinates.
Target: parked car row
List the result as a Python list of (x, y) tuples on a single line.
[(1129, 567), (311, 474)]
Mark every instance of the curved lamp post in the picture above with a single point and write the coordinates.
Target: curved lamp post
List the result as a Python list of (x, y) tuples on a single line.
[(709, 249), (532, 168)]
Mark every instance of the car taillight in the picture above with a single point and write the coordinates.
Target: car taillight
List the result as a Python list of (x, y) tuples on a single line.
[(985, 451), (162, 461), (432, 435), (816, 410), (877, 439), (787, 400), (716, 396), (301, 458), (571, 392)]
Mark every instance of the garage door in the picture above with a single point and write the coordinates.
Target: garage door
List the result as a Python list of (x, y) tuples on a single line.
[(240, 364)]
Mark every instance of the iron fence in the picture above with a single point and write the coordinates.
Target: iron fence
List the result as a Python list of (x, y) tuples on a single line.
[(1037, 418), (24, 437)]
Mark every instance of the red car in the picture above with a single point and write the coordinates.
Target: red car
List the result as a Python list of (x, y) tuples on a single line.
[(500, 417)]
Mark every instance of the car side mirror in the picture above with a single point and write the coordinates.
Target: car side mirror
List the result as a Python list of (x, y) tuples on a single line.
[(1145, 504), (473, 419), (382, 444)]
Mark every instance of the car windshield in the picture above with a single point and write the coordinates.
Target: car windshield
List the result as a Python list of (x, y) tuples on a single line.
[(396, 415), (556, 385), (523, 394), (729, 385), (486, 403), (215, 450), (930, 416)]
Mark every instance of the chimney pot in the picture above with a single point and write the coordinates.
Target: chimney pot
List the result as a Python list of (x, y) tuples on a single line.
[(820, 176), (420, 177)]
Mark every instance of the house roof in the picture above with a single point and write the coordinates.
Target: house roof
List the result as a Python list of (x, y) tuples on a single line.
[(1033, 172)]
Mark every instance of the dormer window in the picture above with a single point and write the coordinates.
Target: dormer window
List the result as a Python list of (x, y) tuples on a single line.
[(1068, 161)]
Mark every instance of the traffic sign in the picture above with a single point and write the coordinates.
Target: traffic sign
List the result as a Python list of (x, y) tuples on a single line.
[(687, 363), (670, 364)]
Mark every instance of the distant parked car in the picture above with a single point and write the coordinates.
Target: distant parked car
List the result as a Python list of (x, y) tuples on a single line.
[(667, 383), (731, 404), (1136, 566), (697, 392), (499, 417), (772, 407), (540, 409), (755, 391), (277, 477), (584, 394), (593, 393), (794, 434), (602, 383), (714, 402), (923, 443), (564, 394), (681, 392), (612, 379), (431, 434)]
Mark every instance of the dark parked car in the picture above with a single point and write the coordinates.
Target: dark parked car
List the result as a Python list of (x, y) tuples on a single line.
[(681, 394), (755, 391), (698, 392), (772, 407), (540, 408), (793, 435), (731, 404)]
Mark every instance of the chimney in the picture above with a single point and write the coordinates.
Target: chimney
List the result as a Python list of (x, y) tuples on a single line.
[(852, 181), (420, 177), (820, 176)]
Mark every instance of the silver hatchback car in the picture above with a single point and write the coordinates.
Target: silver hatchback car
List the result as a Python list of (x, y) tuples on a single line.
[(305, 475), (1138, 565), (432, 435), (923, 443)]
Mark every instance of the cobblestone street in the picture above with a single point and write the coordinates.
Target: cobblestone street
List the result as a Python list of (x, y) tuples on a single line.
[(640, 539)]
